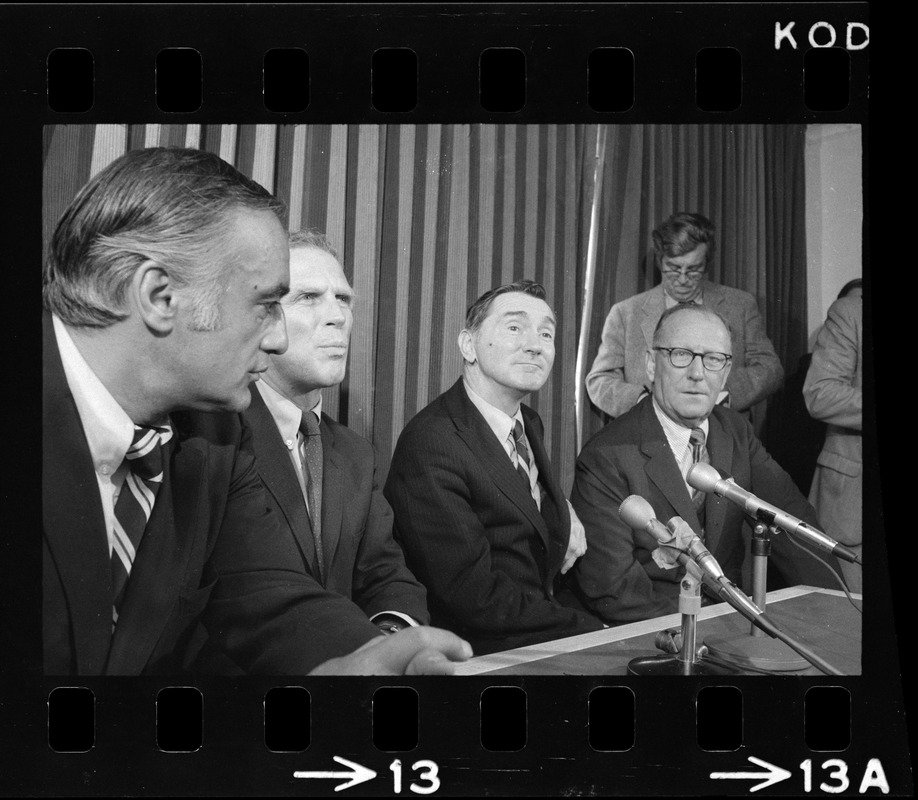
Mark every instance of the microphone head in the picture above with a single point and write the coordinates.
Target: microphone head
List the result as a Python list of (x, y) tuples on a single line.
[(702, 477), (636, 511)]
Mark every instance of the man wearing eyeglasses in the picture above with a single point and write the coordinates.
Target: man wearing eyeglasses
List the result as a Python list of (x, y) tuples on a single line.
[(683, 248), (649, 450)]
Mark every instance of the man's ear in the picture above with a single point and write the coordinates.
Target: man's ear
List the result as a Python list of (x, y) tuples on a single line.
[(154, 296), (651, 365), (467, 346)]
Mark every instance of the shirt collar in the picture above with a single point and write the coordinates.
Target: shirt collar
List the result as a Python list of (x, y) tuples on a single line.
[(499, 422), (287, 414), (109, 430), (677, 435), (669, 302)]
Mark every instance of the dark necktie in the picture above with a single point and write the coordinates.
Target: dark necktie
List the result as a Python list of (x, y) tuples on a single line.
[(312, 473), (523, 461), (135, 504), (699, 455)]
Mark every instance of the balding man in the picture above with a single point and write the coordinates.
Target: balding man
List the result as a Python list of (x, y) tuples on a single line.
[(648, 452)]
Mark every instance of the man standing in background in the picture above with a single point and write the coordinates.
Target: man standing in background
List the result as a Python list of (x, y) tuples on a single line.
[(683, 246)]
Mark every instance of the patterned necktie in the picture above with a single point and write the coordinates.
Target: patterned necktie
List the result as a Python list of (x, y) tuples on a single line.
[(699, 455), (135, 504), (312, 472), (523, 462)]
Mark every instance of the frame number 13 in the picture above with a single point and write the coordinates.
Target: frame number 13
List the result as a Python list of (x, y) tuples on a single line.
[(427, 777)]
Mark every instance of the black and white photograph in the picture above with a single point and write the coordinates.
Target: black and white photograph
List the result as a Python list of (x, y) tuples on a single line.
[(448, 400)]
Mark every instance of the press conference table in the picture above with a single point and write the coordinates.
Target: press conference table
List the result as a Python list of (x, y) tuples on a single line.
[(822, 620)]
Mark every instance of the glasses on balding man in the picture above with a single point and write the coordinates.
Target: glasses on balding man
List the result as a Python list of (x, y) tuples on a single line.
[(681, 358)]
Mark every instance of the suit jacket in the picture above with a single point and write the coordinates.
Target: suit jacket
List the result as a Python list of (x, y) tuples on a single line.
[(617, 578), (472, 532), (362, 560), (213, 565), (833, 394), (619, 373)]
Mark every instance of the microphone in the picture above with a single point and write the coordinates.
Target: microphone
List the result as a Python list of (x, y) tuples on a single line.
[(707, 479), (638, 514)]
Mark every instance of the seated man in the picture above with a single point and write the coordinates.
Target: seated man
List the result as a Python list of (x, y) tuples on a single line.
[(162, 293), (336, 513), (683, 247), (649, 451), (483, 522)]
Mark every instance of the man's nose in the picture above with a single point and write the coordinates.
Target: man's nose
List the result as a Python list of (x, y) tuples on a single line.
[(275, 340), (534, 343), (334, 313), (696, 368)]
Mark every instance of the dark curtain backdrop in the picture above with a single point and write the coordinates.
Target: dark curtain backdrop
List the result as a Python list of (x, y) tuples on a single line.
[(427, 217), (748, 180)]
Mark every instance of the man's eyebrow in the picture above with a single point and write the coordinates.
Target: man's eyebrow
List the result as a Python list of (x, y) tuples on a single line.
[(509, 314), (275, 292)]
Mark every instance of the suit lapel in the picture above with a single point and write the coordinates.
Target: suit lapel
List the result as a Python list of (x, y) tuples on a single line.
[(156, 579), (662, 469), (72, 516), (480, 439), (332, 499), (279, 476)]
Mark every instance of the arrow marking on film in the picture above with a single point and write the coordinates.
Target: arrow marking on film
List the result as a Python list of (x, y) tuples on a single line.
[(774, 774), (355, 774)]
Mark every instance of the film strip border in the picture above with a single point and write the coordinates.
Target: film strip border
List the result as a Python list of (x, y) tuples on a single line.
[(643, 62), (542, 737), (404, 63)]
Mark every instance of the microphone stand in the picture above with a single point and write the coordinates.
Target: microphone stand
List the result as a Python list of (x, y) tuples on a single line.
[(686, 661), (755, 649)]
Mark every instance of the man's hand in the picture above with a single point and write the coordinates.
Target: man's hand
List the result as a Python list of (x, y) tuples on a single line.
[(577, 545), (413, 651)]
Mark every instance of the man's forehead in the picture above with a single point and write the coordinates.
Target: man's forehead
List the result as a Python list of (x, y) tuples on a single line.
[(696, 330), (313, 264), (695, 256), (521, 305)]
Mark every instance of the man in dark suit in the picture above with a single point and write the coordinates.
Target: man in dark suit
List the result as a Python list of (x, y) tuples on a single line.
[(483, 522), (359, 558), (162, 291), (648, 452)]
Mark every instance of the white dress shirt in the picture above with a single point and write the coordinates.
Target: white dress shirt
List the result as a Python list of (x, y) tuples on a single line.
[(502, 426), (678, 437), (109, 430)]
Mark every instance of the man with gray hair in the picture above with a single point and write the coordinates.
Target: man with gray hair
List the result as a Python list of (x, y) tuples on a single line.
[(649, 451), (162, 293), (483, 521), (320, 475)]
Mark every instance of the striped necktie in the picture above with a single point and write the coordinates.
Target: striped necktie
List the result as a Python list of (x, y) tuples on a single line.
[(135, 504), (312, 456), (523, 462), (699, 455)]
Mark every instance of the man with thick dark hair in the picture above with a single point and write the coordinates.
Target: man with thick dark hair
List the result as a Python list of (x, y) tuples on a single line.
[(483, 522), (162, 295)]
